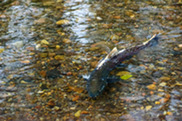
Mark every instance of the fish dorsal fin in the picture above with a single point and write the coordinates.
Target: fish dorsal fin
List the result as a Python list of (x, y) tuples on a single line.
[(144, 43), (113, 52)]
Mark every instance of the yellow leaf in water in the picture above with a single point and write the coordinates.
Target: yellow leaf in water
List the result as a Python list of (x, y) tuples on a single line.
[(43, 55), (78, 113), (56, 108), (58, 1), (25, 61), (59, 57), (23, 82), (61, 22), (48, 3), (1, 50), (93, 48), (114, 37), (51, 54), (40, 92), (162, 84), (10, 76), (124, 75), (61, 33), (157, 102), (116, 17), (67, 41), (164, 78), (161, 68), (160, 90), (148, 107), (58, 47), (132, 16), (44, 42), (151, 86), (178, 84), (169, 113), (129, 12)]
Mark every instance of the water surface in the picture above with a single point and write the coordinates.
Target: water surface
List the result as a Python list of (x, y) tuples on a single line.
[(42, 61)]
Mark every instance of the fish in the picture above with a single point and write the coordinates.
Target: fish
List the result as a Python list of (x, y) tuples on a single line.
[(99, 77)]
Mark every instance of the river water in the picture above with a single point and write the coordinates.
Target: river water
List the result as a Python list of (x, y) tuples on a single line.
[(46, 47)]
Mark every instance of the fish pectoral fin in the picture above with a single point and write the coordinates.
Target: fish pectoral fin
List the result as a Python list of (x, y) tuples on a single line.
[(122, 65), (86, 77), (113, 79)]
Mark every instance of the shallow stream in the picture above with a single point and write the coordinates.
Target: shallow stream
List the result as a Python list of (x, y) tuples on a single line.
[(47, 46)]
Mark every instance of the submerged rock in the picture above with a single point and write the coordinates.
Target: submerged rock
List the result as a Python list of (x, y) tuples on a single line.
[(18, 44), (54, 73)]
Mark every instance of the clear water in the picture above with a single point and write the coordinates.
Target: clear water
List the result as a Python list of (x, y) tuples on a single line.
[(44, 81)]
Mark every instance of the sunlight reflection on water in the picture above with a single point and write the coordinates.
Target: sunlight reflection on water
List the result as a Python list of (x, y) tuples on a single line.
[(79, 15)]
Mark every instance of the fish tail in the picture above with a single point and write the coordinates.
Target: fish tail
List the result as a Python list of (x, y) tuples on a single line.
[(126, 54)]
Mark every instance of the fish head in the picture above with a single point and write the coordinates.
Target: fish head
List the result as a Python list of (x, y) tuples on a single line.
[(95, 85), (97, 80)]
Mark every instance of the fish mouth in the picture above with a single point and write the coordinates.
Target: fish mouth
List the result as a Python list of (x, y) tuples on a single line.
[(95, 94), (94, 91)]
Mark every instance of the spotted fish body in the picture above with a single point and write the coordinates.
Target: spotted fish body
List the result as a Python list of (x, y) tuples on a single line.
[(99, 77)]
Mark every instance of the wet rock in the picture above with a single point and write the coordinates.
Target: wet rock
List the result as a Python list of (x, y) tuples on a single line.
[(43, 87), (17, 44), (5, 2), (27, 79), (43, 55), (54, 73), (59, 57), (61, 22), (8, 89), (127, 117), (133, 68), (180, 45), (40, 21), (94, 64), (176, 53), (66, 41), (157, 74), (164, 78), (58, 1), (163, 84), (44, 42), (2, 64), (48, 3), (54, 63), (98, 18)]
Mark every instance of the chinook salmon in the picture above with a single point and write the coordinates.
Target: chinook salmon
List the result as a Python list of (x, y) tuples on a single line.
[(99, 79)]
